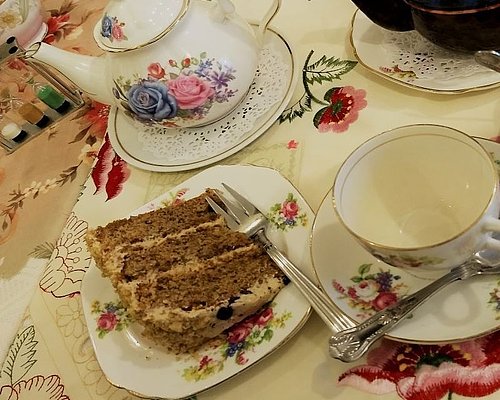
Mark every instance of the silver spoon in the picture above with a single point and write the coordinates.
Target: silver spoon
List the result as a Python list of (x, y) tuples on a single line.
[(488, 58), (351, 344)]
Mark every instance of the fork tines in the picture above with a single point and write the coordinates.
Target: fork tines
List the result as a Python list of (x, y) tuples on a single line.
[(231, 222)]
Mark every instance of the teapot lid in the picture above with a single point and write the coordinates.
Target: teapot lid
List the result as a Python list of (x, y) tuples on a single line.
[(131, 24)]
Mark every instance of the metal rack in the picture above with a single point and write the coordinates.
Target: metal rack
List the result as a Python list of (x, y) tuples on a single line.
[(11, 50)]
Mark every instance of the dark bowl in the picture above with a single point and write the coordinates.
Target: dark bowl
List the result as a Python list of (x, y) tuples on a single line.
[(458, 25), (464, 26), (394, 15)]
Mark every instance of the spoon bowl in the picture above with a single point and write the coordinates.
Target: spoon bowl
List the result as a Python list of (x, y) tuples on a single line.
[(488, 58)]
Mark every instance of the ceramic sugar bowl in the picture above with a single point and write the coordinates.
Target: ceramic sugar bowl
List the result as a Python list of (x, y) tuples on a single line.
[(173, 63), (22, 19)]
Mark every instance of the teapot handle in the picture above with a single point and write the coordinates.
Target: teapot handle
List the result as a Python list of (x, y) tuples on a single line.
[(226, 7), (273, 10)]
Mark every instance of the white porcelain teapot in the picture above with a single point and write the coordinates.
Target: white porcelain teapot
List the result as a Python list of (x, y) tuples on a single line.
[(173, 63)]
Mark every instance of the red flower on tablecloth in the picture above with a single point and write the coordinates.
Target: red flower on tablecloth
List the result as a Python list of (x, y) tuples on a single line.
[(415, 372), (110, 172), (97, 115), (60, 24), (55, 25), (38, 387), (342, 110)]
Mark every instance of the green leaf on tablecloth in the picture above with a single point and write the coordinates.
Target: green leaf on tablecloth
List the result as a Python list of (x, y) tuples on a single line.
[(327, 69), (20, 358), (297, 109), (43, 250)]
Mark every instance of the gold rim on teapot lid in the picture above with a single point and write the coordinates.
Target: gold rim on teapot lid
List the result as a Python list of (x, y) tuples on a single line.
[(130, 24)]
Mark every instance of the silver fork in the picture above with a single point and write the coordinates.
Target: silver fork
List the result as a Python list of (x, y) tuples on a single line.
[(351, 344), (246, 218)]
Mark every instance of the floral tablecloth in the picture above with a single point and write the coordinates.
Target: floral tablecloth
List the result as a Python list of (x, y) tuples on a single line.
[(57, 186)]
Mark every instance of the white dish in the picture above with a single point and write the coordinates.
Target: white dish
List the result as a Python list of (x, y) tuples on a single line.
[(461, 311), (131, 362), (39, 36), (409, 59), (185, 149)]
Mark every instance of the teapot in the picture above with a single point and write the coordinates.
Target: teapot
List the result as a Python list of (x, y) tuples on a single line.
[(459, 25), (169, 63)]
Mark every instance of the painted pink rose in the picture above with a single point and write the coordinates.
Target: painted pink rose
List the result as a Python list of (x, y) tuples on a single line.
[(289, 209), (239, 332), (205, 361), (190, 91), (383, 300), (264, 317), (155, 70), (107, 321), (117, 32), (241, 359)]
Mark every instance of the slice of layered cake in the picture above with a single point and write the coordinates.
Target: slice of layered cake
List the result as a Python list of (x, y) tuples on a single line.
[(182, 273)]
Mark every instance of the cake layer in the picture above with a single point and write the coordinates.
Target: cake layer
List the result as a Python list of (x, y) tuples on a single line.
[(154, 224)]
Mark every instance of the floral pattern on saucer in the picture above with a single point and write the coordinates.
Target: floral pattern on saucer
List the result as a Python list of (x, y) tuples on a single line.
[(494, 301), (287, 214), (241, 339), (112, 316), (371, 291)]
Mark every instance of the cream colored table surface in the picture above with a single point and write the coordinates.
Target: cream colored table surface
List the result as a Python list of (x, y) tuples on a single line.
[(52, 354)]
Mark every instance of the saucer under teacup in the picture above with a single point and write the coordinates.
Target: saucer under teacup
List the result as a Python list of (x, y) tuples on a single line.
[(358, 283)]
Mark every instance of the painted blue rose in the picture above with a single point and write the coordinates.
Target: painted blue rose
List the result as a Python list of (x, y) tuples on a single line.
[(152, 100), (106, 25)]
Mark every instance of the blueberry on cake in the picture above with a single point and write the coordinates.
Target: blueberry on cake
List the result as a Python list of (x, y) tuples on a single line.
[(182, 273)]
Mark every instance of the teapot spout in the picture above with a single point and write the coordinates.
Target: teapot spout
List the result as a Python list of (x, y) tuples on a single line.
[(86, 72)]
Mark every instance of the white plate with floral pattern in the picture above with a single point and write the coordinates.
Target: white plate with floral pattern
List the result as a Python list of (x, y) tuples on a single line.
[(176, 149), (131, 362), (408, 58), (360, 285)]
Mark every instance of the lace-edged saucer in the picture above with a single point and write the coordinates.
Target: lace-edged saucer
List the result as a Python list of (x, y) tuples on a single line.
[(410, 59), (171, 150)]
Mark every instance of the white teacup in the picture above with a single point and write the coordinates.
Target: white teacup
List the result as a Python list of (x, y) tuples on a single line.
[(421, 197), (22, 19)]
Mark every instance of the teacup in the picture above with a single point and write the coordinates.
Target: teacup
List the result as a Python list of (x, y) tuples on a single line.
[(22, 19), (420, 197)]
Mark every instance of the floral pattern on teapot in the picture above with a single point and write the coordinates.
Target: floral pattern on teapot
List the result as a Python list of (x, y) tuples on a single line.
[(182, 91), (112, 29)]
